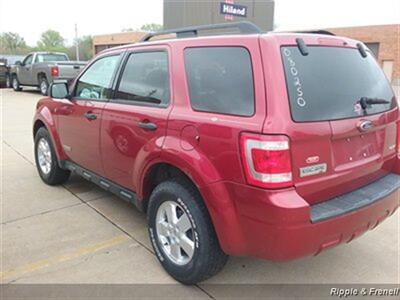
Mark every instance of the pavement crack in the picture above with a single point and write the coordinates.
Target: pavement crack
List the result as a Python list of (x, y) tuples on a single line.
[(19, 153), (122, 229), (41, 213), (87, 203)]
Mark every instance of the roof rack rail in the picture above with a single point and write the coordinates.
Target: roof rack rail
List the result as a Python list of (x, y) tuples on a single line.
[(326, 32), (192, 31)]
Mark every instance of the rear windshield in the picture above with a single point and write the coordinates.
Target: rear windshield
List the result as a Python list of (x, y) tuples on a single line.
[(51, 57), (328, 83)]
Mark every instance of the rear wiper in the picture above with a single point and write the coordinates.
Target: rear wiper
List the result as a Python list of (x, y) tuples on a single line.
[(366, 102)]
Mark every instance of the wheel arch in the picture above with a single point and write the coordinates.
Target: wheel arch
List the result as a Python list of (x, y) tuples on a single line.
[(221, 208), (37, 125), (155, 174), (45, 119), (193, 165), (41, 75)]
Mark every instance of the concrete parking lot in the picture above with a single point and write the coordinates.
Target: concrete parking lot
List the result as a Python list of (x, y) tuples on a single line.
[(78, 233)]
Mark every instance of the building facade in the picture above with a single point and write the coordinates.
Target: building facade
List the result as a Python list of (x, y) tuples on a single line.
[(105, 41), (384, 41), (183, 13)]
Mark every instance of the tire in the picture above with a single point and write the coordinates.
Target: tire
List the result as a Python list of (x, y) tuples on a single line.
[(207, 258), (15, 83), (46, 159), (8, 81), (43, 86)]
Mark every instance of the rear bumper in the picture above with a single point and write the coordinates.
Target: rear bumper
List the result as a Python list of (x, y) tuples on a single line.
[(277, 225)]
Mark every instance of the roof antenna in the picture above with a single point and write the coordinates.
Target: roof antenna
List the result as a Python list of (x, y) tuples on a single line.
[(362, 50), (302, 46)]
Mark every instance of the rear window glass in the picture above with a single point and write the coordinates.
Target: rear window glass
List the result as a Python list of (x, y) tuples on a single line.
[(51, 57), (220, 80), (328, 83), (145, 79)]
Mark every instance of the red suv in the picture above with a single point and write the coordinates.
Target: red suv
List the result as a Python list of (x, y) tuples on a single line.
[(276, 145)]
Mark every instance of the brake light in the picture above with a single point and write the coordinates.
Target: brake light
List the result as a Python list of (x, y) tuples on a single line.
[(54, 71), (266, 160)]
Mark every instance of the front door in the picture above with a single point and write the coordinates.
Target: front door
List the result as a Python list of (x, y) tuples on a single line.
[(79, 119), (135, 121), (25, 70)]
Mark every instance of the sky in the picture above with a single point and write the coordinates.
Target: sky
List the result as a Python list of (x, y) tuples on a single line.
[(30, 18)]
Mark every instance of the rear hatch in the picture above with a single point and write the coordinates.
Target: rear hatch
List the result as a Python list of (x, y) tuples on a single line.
[(343, 112)]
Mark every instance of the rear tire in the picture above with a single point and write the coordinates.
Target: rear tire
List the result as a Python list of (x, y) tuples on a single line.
[(43, 86), (204, 257), (46, 159), (15, 83)]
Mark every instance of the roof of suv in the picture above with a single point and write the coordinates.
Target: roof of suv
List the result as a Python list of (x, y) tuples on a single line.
[(280, 38), (189, 35)]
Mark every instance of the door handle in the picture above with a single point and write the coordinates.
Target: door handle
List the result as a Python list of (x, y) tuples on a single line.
[(90, 116), (147, 126)]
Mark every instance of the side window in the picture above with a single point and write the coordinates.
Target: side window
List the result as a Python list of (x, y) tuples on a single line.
[(95, 83), (28, 60), (220, 80), (145, 79)]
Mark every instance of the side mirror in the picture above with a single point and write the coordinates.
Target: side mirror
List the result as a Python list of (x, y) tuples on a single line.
[(59, 90), (18, 63)]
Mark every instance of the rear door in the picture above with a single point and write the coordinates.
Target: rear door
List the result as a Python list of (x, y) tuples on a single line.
[(349, 146), (135, 120), (219, 95)]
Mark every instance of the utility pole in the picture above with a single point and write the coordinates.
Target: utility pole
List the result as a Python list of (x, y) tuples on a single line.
[(76, 42)]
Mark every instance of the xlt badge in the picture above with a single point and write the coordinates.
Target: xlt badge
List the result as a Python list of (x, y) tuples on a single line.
[(313, 170)]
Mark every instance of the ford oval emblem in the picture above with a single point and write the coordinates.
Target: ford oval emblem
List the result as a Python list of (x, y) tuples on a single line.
[(365, 125)]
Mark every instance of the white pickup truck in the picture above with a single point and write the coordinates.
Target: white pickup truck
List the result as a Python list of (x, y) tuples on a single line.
[(42, 68)]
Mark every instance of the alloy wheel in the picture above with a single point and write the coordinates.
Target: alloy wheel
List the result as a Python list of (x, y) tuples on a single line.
[(175, 232), (44, 156), (15, 83), (43, 87)]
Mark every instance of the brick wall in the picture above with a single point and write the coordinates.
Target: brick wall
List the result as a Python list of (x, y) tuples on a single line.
[(101, 42), (388, 37)]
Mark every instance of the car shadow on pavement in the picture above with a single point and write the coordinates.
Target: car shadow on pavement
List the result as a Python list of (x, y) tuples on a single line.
[(346, 263)]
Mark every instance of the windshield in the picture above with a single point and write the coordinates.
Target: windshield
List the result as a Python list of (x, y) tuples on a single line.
[(328, 83), (51, 57)]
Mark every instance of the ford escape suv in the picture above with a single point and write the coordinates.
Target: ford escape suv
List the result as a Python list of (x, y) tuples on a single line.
[(271, 145)]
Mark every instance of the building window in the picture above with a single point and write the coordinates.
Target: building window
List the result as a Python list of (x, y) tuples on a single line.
[(374, 47)]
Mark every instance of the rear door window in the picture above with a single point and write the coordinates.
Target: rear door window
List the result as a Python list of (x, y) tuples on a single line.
[(145, 79), (220, 80), (328, 83)]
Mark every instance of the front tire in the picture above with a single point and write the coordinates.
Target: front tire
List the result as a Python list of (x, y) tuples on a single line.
[(44, 86), (46, 159), (8, 81), (15, 84), (182, 233)]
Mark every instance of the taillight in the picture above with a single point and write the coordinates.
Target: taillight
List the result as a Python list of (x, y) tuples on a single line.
[(54, 71), (266, 160)]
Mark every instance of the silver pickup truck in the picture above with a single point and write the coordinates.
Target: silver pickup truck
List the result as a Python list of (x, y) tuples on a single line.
[(42, 68)]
